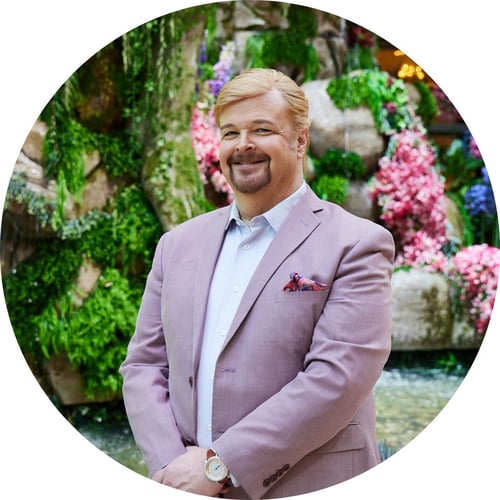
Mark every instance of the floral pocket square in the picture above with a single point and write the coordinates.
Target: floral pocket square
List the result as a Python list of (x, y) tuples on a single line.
[(298, 283)]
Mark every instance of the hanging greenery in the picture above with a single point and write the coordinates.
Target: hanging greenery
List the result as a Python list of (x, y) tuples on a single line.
[(116, 105), (127, 236), (30, 286), (386, 97), (427, 106), (289, 47), (94, 335)]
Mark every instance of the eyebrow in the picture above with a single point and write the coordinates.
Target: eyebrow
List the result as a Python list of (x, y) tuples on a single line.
[(254, 122)]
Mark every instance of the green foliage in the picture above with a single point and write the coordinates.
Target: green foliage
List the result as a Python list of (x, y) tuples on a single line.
[(333, 171), (386, 97), (64, 147), (359, 57), (121, 154), (212, 44), (133, 79), (333, 189), (459, 169), (126, 238), (290, 47), (38, 206), (339, 162), (94, 335), (427, 107), (47, 212), (453, 362), (29, 287), (39, 291)]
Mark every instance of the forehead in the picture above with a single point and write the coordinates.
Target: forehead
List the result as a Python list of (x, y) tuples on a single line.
[(270, 107)]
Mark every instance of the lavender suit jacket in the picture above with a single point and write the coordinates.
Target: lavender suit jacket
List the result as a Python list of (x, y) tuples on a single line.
[(293, 410)]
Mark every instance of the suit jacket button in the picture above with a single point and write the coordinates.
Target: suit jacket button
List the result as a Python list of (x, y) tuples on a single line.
[(266, 482), (274, 477)]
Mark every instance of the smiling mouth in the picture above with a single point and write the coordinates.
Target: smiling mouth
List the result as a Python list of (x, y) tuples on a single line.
[(246, 163), (239, 161)]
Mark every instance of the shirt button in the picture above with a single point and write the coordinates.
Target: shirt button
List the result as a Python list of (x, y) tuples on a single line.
[(223, 332), (236, 288), (246, 246), (210, 427)]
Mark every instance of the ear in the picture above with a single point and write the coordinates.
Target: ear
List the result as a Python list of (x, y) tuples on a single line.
[(302, 142)]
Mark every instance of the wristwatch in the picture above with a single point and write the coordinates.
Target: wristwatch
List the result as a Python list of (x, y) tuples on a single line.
[(215, 469)]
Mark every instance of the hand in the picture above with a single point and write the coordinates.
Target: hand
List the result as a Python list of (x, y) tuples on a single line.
[(186, 473)]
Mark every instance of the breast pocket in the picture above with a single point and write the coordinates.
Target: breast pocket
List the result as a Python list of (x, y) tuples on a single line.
[(303, 297)]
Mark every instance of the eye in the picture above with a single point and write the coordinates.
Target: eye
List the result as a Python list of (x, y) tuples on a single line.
[(229, 134), (263, 131)]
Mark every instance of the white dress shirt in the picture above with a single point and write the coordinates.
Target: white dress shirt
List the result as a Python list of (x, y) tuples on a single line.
[(243, 248)]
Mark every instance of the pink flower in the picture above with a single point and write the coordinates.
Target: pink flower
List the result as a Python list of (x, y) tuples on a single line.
[(424, 253), (474, 272), (205, 140), (408, 189)]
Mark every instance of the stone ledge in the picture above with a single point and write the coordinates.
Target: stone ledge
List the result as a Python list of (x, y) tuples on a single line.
[(422, 314)]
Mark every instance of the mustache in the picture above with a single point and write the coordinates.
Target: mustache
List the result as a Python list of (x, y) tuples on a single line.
[(247, 158)]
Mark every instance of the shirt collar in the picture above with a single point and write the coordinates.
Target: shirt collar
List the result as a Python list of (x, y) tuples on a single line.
[(276, 215)]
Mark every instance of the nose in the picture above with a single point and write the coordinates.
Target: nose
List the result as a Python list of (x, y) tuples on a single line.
[(244, 142)]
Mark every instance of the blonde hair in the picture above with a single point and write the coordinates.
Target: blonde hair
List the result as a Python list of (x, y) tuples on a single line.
[(258, 81)]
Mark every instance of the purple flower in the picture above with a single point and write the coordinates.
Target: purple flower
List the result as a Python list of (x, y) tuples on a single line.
[(222, 69), (479, 199), (203, 53)]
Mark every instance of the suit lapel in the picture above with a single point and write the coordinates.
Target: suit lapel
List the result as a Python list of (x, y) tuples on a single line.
[(209, 248), (299, 224)]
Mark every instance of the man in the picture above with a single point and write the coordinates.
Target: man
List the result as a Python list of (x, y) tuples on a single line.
[(265, 325)]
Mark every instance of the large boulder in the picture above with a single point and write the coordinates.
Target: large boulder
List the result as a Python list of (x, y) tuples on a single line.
[(421, 311), (422, 314), (351, 129)]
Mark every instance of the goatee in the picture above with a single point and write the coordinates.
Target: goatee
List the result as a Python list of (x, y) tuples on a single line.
[(249, 173)]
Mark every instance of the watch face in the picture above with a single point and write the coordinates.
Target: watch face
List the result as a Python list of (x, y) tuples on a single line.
[(215, 469)]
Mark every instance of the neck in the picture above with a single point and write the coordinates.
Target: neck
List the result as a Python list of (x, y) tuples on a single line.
[(251, 205)]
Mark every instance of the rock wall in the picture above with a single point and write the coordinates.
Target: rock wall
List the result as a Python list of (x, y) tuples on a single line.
[(422, 312)]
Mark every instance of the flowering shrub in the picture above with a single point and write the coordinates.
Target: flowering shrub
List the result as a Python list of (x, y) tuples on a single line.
[(204, 133), (409, 191), (474, 273), (424, 253)]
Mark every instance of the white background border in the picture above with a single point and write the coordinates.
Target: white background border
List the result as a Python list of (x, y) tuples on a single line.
[(43, 43)]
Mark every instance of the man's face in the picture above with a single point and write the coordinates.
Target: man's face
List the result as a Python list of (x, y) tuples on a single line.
[(260, 152)]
